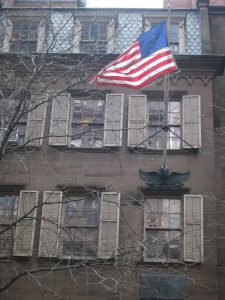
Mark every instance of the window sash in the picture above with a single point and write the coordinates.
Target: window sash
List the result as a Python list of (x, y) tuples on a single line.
[(163, 244), (79, 242), (93, 37), (24, 36), (156, 122), (87, 123), (79, 227), (158, 215)]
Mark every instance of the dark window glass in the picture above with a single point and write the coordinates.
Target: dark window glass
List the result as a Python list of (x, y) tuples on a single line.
[(80, 226), (93, 37), (24, 36)]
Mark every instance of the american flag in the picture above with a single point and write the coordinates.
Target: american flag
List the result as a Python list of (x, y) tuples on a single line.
[(146, 60)]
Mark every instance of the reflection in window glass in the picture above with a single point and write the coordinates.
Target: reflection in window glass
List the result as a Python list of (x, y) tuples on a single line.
[(8, 213), (156, 122), (174, 37), (24, 36), (93, 37), (87, 123), (163, 228), (80, 225)]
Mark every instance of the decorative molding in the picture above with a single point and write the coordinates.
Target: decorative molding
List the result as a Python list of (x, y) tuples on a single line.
[(191, 78)]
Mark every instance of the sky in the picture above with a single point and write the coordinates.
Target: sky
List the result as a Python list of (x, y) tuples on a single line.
[(126, 3)]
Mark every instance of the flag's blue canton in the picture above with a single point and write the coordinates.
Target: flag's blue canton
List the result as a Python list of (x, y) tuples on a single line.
[(153, 40)]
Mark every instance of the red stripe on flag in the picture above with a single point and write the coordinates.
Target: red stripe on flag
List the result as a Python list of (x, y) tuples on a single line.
[(140, 66), (143, 84), (136, 78)]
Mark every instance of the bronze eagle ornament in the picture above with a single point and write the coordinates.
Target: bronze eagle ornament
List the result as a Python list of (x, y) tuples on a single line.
[(164, 179)]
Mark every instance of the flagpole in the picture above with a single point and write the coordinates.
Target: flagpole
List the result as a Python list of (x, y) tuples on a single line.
[(166, 100)]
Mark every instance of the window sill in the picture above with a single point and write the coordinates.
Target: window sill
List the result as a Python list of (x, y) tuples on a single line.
[(84, 150), (169, 152), (162, 263), (21, 148)]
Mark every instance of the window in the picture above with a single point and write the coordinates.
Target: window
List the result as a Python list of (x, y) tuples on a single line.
[(174, 38), (177, 34), (30, 126), (173, 228), (8, 213), (87, 122), (93, 37), (163, 229), (17, 239), (17, 136), (160, 286), (8, 107), (156, 119), (79, 226), (24, 36), (146, 116)]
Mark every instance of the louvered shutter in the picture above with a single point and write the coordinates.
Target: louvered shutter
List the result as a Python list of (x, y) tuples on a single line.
[(113, 120), (109, 225), (60, 120), (193, 228), (137, 120), (36, 121), (50, 224), (191, 121), (25, 228)]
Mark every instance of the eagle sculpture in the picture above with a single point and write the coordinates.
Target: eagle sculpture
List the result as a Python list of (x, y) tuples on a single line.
[(164, 178)]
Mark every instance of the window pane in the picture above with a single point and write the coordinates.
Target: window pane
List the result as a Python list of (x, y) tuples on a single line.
[(24, 36), (8, 209), (87, 123), (88, 111), (88, 136), (163, 244), (6, 241), (174, 113), (174, 32), (156, 140), (156, 113), (79, 242), (173, 141), (93, 37), (81, 211), (156, 122), (163, 213)]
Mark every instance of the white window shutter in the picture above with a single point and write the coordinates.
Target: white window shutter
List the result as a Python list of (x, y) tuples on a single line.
[(109, 225), (50, 224), (36, 121), (191, 121), (137, 120), (25, 228), (193, 228), (113, 120), (60, 120)]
